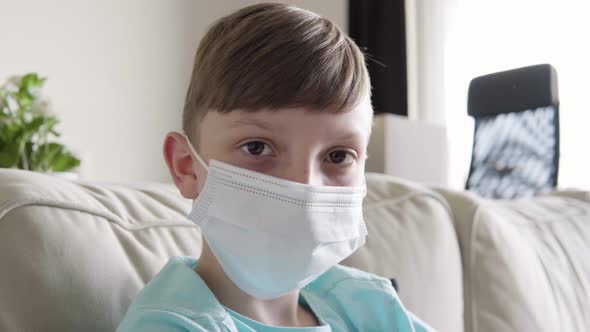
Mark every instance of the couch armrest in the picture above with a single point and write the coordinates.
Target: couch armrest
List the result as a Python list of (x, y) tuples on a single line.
[(525, 262)]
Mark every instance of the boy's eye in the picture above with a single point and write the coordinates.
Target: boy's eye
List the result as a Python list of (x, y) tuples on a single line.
[(257, 148), (341, 157)]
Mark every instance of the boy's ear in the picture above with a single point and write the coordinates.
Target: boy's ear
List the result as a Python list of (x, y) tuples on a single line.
[(180, 164)]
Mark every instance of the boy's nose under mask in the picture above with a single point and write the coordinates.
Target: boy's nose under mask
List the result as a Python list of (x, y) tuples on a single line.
[(272, 236)]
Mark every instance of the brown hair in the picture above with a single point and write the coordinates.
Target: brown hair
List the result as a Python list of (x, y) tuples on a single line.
[(274, 56)]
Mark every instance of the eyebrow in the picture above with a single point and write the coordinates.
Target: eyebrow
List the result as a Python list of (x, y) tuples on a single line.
[(350, 136), (250, 122)]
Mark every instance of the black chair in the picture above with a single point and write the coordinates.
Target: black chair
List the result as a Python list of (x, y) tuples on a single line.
[(516, 139)]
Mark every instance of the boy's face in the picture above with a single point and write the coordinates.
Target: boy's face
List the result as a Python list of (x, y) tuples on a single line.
[(311, 147)]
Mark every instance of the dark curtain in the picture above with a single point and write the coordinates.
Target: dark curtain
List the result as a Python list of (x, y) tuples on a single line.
[(379, 28)]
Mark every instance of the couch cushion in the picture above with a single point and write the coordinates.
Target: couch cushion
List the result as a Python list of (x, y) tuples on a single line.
[(74, 255), (526, 262), (411, 238)]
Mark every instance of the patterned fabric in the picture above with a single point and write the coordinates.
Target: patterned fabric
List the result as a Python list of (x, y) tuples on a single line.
[(515, 154)]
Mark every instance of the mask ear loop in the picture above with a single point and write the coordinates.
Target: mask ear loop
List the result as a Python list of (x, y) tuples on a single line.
[(195, 154)]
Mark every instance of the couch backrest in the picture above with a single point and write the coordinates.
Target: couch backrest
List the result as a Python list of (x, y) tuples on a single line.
[(74, 254), (411, 238)]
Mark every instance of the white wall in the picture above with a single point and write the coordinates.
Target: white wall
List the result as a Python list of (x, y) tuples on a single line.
[(210, 10), (425, 39), (398, 146), (117, 71)]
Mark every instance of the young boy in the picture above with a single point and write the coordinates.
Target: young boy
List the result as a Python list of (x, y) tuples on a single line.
[(277, 120)]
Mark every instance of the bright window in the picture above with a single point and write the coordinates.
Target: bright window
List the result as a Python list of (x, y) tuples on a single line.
[(489, 36)]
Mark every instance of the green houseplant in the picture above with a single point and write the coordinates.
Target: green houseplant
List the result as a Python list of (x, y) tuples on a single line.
[(27, 128)]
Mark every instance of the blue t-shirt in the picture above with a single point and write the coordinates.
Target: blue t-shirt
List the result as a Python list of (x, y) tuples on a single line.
[(246, 324), (343, 299)]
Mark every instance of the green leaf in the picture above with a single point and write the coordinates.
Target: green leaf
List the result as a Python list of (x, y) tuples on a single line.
[(49, 123), (9, 156), (47, 154), (64, 162), (8, 132), (23, 98), (24, 130), (32, 156), (31, 80), (3, 104), (23, 162), (28, 84), (35, 124), (5, 133)]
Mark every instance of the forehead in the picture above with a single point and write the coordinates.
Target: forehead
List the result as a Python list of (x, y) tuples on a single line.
[(297, 122)]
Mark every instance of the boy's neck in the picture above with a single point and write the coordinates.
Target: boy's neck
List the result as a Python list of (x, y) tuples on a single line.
[(283, 311)]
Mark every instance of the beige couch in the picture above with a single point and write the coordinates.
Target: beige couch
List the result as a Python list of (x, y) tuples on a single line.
[(74, 254)]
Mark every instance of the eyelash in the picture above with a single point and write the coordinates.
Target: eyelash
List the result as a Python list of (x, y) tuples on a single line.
[(348, 154), (244, 148)]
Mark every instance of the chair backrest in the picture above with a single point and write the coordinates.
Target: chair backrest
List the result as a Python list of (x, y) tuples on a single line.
[(516, 139)]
